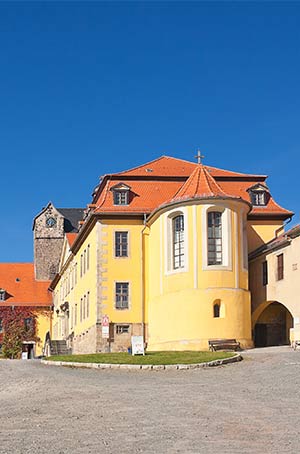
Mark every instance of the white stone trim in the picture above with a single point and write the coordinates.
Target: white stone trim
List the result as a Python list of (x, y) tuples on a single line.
[(168, 240), (226, 237), (243, 241), (195, 243), (128, 244), (161, 254), (236, 246)]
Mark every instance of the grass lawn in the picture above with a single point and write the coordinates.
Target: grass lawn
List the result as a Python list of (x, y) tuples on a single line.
[(185, 357)]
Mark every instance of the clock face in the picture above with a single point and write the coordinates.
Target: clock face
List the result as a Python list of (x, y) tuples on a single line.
[(50, 222)]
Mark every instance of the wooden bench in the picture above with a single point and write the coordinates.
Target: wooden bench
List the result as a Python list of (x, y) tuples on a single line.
[(223, 344)]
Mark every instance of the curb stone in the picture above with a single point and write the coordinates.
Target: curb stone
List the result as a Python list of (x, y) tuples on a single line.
[(217, 362)]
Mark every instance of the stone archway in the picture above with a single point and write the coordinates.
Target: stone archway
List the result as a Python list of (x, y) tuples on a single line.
[(273, 326)]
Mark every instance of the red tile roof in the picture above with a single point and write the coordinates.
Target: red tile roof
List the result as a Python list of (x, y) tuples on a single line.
[(71, 237), (145, 196), (155, 183), (18, 280), (174, 167), (200, 184)]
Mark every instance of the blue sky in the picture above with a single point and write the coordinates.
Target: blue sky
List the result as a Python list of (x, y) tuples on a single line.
[(92, 88)]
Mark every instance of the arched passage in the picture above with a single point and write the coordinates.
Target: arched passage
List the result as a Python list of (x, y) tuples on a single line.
[(273, 326)]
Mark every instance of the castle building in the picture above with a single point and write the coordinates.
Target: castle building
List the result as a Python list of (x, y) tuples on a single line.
[(24, 287), (163, 252), (49, 229), (21, 295), (275, 288)]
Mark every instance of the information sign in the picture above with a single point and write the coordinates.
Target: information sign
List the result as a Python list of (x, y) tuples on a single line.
[(137, 345), (105, 327)]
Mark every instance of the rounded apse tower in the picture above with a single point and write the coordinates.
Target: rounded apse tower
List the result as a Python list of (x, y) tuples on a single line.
[(197, 268)]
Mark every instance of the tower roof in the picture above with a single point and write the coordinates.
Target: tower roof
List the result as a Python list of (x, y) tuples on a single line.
[(200, 184)]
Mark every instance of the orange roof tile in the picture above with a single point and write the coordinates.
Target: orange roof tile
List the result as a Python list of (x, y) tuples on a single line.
[(239, 189), (157, 182), (174, 167), (200, 184), (145, 196), (18, 280), (71, 237)]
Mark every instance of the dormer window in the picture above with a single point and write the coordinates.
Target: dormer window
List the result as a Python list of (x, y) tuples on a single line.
[(259, 195), (121, 194), (258, 198), (2, 294), (120, 197)]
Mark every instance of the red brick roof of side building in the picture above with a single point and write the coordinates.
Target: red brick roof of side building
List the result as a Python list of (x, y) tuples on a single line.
[(71, 237), (155, 183), (21, 288)]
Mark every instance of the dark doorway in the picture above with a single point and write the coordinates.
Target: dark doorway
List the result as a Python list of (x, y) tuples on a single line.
[(273, 325)]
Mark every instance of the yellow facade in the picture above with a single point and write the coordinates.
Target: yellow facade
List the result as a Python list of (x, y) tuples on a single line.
[(98, 282), (180, 304), (174, 310), (260, 232), (44, 321), (173, 307)]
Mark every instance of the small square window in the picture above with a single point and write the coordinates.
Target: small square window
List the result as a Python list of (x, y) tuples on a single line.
[(122, 329), (121, 197)]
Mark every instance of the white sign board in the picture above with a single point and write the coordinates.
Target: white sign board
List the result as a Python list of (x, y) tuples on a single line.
[(105, 327), (24, 355), (137, 345)]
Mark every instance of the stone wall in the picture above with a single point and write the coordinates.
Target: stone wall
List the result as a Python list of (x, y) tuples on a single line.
[(48, 243), (117, 342), (85, 342)]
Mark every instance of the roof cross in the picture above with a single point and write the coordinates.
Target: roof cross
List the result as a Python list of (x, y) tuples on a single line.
[(199, 157)]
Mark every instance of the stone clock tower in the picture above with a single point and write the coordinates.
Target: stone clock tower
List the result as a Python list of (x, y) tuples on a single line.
[(49, 228)]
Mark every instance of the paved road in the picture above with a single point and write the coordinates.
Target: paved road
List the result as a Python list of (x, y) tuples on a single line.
[(248, 407)]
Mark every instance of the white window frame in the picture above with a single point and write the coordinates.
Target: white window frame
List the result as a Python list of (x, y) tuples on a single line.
[(120, 327), (226, 238), (258, 197), (128, 296), (168, 241), (117, 197), (244, 241), (115, 244)]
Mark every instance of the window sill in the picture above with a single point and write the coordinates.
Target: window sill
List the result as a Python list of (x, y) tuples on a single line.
[(176, 271)]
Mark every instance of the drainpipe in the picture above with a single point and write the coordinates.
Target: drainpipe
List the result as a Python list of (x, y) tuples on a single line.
[(282, 226), (142, 278)]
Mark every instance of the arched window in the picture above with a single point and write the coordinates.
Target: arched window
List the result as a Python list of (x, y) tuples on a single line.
[(178, 241), (217, 308), (214, 238)]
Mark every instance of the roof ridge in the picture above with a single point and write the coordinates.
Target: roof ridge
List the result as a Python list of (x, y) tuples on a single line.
[(235, 172), (137, 167)]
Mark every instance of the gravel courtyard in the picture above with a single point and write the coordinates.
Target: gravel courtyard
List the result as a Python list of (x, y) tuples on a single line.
[(248, 407)]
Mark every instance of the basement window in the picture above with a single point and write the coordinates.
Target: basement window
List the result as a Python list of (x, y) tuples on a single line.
[(122, 329)]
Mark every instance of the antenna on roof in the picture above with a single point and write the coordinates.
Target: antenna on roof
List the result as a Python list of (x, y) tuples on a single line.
[(199, 157)]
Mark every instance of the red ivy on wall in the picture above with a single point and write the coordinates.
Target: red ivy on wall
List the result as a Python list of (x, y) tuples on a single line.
[(18, 324)]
